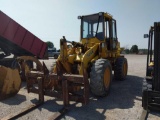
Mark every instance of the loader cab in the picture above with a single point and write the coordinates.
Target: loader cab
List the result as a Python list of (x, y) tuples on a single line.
[(92, 26), (100, 26)]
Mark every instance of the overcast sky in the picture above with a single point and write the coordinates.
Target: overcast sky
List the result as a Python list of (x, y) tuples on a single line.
[(51, 19)]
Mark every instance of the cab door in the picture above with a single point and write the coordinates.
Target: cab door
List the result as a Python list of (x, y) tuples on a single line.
[(111, 34), (114, 34)]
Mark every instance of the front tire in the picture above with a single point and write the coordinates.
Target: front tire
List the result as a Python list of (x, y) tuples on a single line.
[(100, 77)]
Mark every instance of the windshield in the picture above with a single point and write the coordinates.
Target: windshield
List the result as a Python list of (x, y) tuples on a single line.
[(92, 26)]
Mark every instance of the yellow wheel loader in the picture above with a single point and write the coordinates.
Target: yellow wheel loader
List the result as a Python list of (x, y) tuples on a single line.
[(81, 66), (98, 52)]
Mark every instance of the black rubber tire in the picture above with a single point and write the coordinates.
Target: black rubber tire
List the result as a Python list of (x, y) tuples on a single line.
[(7, 62), (118, 69), (146, 85), (145, 88), (15, 64), (97, 84), (55, 56)]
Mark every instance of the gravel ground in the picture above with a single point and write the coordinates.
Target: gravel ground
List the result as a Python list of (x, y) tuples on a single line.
[(123, 102)]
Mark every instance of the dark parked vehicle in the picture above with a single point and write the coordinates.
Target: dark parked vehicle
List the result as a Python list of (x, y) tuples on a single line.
[(53, 53)]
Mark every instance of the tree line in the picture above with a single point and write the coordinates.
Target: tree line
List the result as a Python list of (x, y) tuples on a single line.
[(134, 50)]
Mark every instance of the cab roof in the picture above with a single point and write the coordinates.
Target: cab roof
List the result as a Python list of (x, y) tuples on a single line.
[(105, 14)]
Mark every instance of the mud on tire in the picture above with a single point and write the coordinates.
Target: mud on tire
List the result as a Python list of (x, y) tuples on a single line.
[(99, 81)]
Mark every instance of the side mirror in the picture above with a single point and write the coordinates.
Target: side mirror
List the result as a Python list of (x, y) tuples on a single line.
[(146, 35), (79, 17)]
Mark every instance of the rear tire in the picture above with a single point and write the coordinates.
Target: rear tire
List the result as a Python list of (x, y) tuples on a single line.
[(100, 77), (121, 68), (55, 56)]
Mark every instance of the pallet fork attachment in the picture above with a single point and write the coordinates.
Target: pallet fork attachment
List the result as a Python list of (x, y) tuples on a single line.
[(39, 79)]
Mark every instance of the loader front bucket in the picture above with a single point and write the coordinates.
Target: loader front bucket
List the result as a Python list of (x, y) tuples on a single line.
[(10, 82)]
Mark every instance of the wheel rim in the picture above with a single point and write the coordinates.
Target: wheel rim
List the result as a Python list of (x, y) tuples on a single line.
[(107, 77), (125, 68)]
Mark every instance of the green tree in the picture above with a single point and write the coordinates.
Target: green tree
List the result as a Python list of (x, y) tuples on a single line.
[(50, 44), (134, 49)]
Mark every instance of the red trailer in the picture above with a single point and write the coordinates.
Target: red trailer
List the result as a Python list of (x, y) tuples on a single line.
[(17, 40)]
